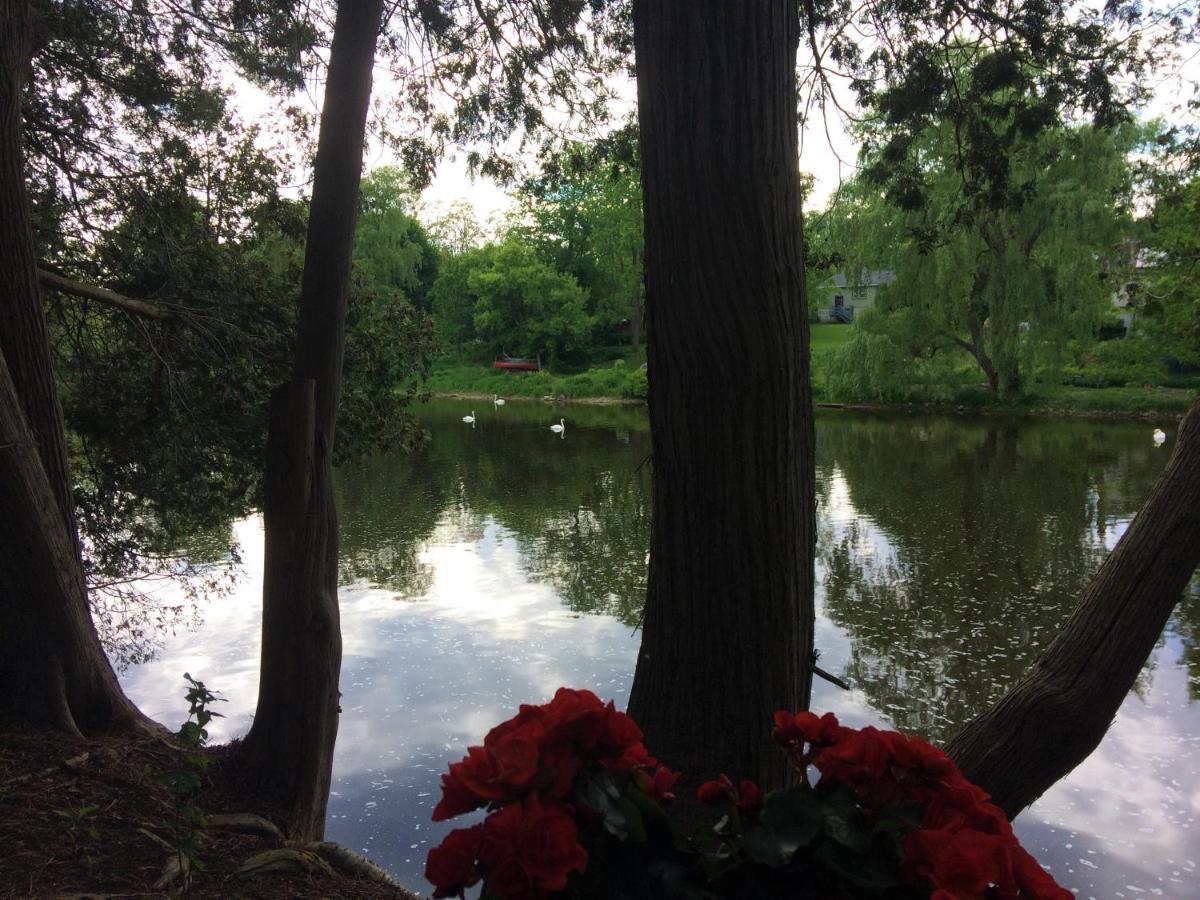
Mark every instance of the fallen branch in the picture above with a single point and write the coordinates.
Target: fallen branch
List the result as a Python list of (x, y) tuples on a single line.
[(102, 295)]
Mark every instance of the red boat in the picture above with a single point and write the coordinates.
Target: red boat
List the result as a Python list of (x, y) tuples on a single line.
[(515, 364)]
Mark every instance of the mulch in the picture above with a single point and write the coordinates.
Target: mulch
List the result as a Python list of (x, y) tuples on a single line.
[(88, 818)]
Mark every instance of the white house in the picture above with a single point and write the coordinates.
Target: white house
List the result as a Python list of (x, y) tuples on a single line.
[(839, 298)]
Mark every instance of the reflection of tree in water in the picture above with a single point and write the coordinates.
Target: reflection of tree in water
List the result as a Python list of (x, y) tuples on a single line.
[(595, 556), (950, 549), (388, 507), (1186, 624), (578, 507), (963, 547)]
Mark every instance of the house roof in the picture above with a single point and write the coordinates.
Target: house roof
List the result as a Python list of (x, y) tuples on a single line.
[(866, 278)]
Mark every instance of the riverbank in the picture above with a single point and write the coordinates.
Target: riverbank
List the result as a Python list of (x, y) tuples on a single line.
[(94, 818), (1060, 402)]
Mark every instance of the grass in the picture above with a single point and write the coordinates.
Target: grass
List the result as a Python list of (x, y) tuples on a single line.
[(615, 380), (828, 338), (625, 379)]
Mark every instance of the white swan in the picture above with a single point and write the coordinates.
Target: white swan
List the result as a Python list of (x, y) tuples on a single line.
[(497, 401), (560, 427), (470, 420), (1159, 437)]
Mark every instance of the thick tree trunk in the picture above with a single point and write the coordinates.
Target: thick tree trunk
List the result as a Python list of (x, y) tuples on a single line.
[(52, 668), (1058, 712), (289, 749), (729, 613)]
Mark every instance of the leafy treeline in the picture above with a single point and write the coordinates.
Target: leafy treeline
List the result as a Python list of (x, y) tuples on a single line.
[(145, 180), (564, 280), (1005, 265)]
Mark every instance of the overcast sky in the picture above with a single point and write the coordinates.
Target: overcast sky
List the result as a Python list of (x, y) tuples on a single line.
[(827, 151)]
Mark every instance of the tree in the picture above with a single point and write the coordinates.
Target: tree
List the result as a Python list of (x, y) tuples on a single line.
[(1173, 262), (505, 298), (584, 214), (52, 669), (728, 626), (1008, 285), (289, 749)]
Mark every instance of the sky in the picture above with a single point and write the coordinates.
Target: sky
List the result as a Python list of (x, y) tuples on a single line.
[(827, 151)]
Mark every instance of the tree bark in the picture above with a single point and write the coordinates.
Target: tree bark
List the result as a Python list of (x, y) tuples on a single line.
[(1058, 712), (52, 668), (728, 624), (289, 749)]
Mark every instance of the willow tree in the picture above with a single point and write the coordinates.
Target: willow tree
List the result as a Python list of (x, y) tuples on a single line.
[(1008, 283)]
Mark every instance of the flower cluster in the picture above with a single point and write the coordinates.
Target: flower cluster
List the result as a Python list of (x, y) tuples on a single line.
[(964, 846), (576, 809), (528, 772)]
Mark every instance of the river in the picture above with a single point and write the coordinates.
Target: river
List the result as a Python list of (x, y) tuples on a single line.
[(503, 560)]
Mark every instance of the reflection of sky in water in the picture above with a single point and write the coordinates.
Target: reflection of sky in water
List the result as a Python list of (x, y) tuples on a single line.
[(422, 679)]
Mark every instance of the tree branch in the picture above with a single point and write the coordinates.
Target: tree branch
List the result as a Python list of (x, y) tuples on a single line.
[(51, 281)]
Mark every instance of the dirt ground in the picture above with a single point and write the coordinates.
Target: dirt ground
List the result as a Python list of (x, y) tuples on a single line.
[(91, 819)]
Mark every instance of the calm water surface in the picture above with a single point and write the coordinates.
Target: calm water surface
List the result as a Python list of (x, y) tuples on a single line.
[(502, 561)]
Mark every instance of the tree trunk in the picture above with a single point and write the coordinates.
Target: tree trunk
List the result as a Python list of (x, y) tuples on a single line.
[(52, 668), (729, 614), (1058, 712), (638, 312), (289, 749)]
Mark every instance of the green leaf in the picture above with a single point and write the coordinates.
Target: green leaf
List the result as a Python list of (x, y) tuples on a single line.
[(791, 819), (843, 819), (875, 872)]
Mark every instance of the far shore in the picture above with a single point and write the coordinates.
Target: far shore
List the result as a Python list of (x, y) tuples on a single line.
[(1039, 410)]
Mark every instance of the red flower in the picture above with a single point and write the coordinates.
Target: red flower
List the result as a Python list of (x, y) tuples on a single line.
[(469, 785), (964, 863), (450, 866), (511, 882), (542, 839), (632, 757), (961, 804), (620, 732), (550, 847), (577, 716), (804, 727), (856, 756), (717, 792), (457, 799), (515, 745), (658, 786), (751, 797)]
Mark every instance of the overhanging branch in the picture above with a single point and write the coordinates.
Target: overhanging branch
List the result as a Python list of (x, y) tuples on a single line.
[(102, 295)]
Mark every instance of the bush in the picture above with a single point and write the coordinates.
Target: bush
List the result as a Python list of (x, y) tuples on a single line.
[(1135, 360)]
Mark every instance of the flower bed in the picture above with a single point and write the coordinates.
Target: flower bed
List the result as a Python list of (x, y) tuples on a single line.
[(578, 808)]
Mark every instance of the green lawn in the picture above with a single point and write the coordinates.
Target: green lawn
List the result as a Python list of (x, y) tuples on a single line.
[(625, 379), (827, 338)]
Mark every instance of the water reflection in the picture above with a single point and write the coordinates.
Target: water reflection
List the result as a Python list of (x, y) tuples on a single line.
[(497, 563), (953, 550)]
